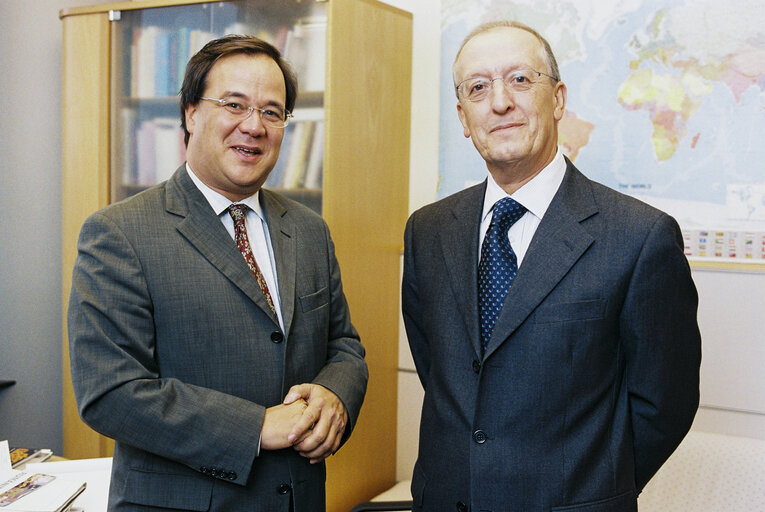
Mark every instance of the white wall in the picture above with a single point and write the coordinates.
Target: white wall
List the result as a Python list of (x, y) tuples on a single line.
[(423, 188), (426, 49), (732, 323)]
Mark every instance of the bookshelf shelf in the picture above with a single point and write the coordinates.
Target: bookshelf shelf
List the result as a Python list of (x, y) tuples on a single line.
[(353, 60), (306, 99), (159, 101), (154, 45)]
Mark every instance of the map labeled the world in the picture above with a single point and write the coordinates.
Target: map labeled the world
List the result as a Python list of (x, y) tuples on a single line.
[(666, 102)]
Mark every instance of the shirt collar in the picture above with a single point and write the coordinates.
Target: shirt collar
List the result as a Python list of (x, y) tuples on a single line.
[(219, 202), (536, 195)]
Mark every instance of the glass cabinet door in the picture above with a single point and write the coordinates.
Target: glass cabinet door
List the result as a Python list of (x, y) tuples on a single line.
[(150, 49)]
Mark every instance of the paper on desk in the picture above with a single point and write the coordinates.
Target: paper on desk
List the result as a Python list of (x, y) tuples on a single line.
[(27, 491), (73, 466), (5, 460), (96, 472)]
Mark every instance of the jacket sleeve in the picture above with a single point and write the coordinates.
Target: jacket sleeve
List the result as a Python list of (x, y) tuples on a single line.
[(663, 348), (345, 372), (411, 306), (115, 368)]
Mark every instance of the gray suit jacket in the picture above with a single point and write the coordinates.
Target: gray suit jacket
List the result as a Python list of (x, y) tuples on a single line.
[(590, 378), (176, 355)]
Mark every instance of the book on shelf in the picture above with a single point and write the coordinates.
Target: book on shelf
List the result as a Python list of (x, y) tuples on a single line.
[(314, 167), (151, 148), (127, 144), (159, 150), (169, 150), (158, 55), (22, 491), (294, 172), (301, 157), (144, 61), (305, 49), (162, 86), (276, 176)]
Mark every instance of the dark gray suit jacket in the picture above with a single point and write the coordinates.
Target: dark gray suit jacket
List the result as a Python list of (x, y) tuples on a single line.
[(176, 355), (590, 379)]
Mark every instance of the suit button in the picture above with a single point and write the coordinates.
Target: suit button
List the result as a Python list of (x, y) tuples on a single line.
[(214, 472), (277, 337), (479, 436), (476, 366), (283, 489), (205, 470), (231, 475), (461, 507)]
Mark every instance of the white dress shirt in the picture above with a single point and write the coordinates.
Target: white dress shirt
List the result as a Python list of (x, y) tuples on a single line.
[(535, 196), (257, 233)]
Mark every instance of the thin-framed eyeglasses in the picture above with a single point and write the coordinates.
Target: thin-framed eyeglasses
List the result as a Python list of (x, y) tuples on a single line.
[(519, 80), (273, 117)]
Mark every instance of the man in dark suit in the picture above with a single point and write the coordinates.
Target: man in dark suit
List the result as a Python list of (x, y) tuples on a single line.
[(212, 340), (552, 320)]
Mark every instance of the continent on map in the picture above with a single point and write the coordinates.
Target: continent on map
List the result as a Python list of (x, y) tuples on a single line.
[(665, 102), (669, 103), (680, 58), (573, 134)]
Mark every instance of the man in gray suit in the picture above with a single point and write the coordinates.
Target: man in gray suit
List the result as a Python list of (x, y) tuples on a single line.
[(552, 320), (209, 333)]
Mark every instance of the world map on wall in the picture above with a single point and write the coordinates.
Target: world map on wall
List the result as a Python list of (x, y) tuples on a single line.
[(666, 102)]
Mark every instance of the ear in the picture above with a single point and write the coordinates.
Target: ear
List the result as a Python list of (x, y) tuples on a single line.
[(559, 95), (463, 120), (190, 114)]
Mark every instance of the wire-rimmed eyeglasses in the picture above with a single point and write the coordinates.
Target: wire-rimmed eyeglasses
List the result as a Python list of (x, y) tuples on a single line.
[(519, 80), (273, 117)]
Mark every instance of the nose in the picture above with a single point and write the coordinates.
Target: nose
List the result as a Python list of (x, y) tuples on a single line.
[(253, 125), (500, 96)]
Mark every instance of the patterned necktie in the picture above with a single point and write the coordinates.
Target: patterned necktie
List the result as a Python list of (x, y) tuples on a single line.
[(237, 212), (498, 265)]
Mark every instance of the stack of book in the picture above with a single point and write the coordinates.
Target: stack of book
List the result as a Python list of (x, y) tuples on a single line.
[(158, 55), (301, 157), (151, 149), (22, 491), (23, 456)]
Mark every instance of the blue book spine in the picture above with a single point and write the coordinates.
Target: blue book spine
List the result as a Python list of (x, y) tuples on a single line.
[(162, 63)]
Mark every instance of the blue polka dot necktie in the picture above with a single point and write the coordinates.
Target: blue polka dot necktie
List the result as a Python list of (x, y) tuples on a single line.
[(498, 265)]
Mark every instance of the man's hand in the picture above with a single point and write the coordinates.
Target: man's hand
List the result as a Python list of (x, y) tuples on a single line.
[(318, 432), (278, 425)]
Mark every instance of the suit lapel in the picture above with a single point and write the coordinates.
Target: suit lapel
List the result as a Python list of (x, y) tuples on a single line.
[(460, 251), (283, 240), (560, 240), (204, 230)]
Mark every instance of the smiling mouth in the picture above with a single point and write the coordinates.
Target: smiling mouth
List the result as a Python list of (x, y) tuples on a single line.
[(506, 126), (248, 151)]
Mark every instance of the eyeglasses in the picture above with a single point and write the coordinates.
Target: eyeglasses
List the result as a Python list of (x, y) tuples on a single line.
[(520, 80), (273, 117)]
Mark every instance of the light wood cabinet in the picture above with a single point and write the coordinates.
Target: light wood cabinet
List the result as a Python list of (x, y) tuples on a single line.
[(357, 99)]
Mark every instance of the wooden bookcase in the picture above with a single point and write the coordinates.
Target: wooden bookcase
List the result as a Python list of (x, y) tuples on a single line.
[(363, 193)]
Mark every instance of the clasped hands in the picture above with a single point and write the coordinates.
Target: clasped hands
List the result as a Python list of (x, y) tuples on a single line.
[(311, 419)]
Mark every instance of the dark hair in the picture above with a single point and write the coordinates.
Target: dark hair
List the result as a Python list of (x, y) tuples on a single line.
[(194, 82)]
